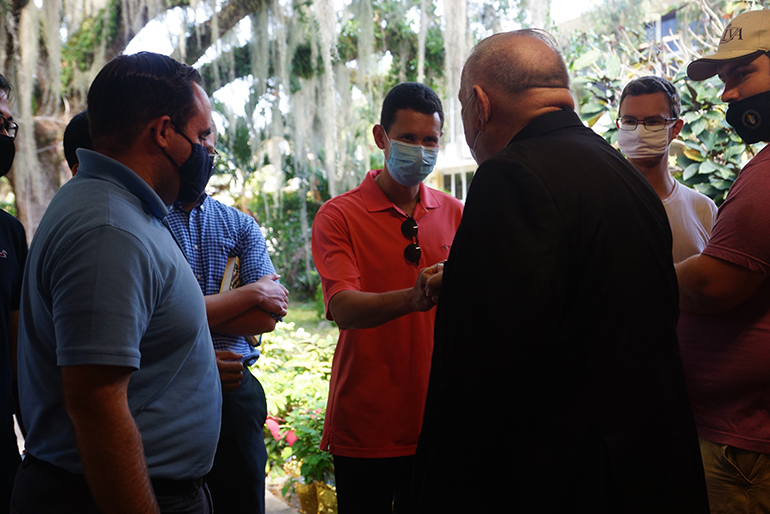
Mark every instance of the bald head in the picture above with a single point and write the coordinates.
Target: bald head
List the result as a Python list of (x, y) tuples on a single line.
[(509, 80), (511, 62)]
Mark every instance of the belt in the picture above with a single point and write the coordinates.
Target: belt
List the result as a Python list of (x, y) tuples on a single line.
[(171, 487), (161, 486)]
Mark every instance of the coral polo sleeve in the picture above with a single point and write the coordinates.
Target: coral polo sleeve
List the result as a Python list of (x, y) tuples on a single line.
[(333, 254)]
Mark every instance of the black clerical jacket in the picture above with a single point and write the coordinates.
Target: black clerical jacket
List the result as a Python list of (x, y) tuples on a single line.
[(556, 383)]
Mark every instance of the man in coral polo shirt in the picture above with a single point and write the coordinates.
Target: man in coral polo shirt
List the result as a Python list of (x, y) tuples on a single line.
[(371, 247)]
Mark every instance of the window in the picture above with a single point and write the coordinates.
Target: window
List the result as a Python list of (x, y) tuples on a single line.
[(456, 181)]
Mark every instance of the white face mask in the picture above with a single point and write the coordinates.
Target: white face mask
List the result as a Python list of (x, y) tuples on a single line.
[(641, 143)]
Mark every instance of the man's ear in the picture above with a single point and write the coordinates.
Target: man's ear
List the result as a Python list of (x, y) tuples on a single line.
[(676, 128), (160, 129), (378, 131), (485, 107)]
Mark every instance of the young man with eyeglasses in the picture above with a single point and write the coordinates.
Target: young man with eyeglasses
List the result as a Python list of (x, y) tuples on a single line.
[(648, 121), (726, 290), (13, 254), (372, 247)]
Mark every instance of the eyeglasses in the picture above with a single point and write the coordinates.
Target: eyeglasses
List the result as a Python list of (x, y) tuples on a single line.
[(653, 124), (412, 252), (10, 127), (214, 158)]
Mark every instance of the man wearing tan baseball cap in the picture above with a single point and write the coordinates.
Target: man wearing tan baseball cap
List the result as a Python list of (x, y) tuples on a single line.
[(724, 343), (747, 36)]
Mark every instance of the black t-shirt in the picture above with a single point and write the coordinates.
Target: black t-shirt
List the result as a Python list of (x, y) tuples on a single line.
[(13, 255)]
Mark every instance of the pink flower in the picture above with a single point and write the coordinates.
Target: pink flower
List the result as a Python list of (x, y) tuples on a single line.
[(291, 438), (275, 428)]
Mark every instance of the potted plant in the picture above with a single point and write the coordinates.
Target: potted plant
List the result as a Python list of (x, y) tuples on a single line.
[(310, 469)]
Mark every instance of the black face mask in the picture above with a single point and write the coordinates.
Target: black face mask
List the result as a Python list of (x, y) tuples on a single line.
[(7, 153), (750, 118), (195, 172)]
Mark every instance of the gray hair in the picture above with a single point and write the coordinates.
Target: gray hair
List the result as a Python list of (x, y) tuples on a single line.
[(515, 71)]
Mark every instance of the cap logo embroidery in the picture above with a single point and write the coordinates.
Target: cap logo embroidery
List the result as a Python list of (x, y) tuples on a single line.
[(3, 254), (731, 33)]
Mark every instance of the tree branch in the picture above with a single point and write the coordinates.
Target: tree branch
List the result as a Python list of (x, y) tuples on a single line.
[(241, 56), (121, 36), (199, 39)]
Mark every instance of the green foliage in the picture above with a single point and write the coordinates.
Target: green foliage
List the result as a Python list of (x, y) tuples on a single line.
[(713, 151), (595, 69), (294, 369), (315, 465), (601, 65), (394, 33), (485, 17), (240, 148), (78, 50), (283, 232), (609, 15), (320, 306), (279, 213), (9, 207), (301, 64)]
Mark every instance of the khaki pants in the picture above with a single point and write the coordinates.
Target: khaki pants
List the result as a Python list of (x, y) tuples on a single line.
[(738, 481)]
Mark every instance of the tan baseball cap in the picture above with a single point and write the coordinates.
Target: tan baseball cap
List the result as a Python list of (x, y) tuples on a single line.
[(747, 35)]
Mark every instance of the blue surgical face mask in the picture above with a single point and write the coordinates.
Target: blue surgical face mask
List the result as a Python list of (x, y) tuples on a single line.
[(409, 164)]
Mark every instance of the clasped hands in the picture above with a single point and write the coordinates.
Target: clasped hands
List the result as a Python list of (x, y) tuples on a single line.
[(271, 295), (428, 287)]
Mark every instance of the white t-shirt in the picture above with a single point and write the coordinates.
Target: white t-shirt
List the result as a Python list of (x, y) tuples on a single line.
[(691, 216)]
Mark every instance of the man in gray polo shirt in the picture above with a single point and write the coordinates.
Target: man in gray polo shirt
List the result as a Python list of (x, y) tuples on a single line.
[(118, 380)]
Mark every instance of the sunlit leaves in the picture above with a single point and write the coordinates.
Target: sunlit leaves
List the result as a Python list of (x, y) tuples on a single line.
[(601, 65), (586, 59)]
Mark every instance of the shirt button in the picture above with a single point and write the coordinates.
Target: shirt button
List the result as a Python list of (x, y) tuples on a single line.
[(195, 246)]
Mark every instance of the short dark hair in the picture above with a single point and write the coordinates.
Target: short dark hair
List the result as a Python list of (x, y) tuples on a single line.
[(650, 85), (5, 86), (410, 95), (132, 90), (76, 135)]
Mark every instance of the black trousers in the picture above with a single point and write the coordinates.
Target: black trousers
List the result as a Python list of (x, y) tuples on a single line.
[(9, 462), (237, 479), (373, 486), (42, 488)]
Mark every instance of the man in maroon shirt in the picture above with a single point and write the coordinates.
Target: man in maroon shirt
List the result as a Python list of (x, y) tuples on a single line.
[(725, 291)]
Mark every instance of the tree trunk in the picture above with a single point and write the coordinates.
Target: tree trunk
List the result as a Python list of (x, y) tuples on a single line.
[(34, 190), (538, 10)]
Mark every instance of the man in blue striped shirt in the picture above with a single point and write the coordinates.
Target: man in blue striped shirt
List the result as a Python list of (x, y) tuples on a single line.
[(210, 232)]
